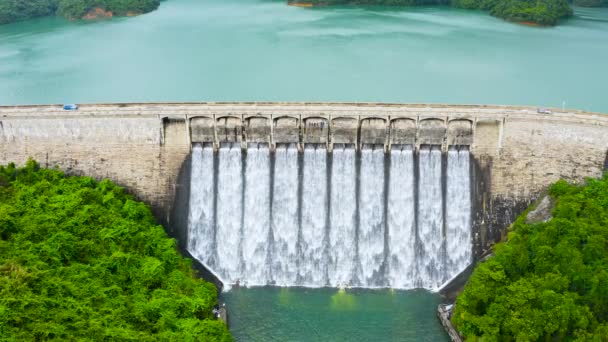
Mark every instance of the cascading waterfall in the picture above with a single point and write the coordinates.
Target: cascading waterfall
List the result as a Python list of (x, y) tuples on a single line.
[(201, 221), (401, 222), (371, 215), (229, 201), (430, 218), (341, 218), (458, 218), (314, 214), (285, 228), (256, 221)]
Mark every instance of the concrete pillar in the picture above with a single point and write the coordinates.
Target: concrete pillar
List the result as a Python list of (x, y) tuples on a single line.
[(286, 130), (344, 131), (374, 131), (431, 132), (257, 129), (402, 132), (460, 132), (202, 129), (229, 129), (315, 131)]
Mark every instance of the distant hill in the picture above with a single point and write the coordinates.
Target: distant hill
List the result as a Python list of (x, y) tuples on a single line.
[(18, 10), (535, 12)]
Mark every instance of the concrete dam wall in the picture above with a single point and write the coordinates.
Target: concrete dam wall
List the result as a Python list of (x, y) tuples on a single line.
[(515, 152)]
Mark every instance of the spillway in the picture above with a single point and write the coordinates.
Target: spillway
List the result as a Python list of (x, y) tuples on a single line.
[(458, 219), (342, 218), (201, 216), (430, 218), (312, 268), (229, 228), (285, 227), (371, 217), (401, 219), (350, 217), (256, 220)]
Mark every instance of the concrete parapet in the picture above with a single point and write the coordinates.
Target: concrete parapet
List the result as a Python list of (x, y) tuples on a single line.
[(257, 129), (430, 132), (373, 131), (344, 130), (403, 132), (315, 131), (202, 129), (460, 132), (286, 130), (229, 129)]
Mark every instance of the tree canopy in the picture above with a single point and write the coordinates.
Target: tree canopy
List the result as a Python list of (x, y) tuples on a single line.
[(17, 10), (549, 281), (82, 260), (542, 12)]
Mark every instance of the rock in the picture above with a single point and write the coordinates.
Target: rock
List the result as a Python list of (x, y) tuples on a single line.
[(97, 13), (444, 313), (542, 212)]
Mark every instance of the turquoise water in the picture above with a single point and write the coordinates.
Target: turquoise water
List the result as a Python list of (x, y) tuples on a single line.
[(254, 50), (297, 314)]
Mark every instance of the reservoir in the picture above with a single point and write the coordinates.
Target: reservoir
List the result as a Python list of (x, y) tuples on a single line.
[(251, 50), (263, 50)]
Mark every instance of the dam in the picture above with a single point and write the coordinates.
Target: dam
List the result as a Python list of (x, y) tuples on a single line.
[(320, 194)]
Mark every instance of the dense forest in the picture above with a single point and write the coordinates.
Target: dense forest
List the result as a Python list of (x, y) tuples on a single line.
[(17, 10), (541, 12), (549, 281), (82, 260)]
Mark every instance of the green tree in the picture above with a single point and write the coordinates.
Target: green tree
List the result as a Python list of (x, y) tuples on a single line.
[(17, 10), (549, 281), (82, 260)]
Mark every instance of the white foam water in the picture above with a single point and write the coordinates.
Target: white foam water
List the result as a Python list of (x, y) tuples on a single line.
[(260, 218)]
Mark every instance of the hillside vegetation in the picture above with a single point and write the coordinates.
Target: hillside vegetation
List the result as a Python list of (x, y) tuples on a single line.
[(17, 10), (549, 281), (542, 12), (82, 260)]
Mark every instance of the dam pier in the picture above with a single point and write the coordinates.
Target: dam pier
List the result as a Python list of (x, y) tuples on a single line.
[(316, 194)]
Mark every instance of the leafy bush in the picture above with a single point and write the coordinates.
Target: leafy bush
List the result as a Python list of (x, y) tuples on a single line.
[(74, 9), (80, 259), (549, 281), (16, 10)]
